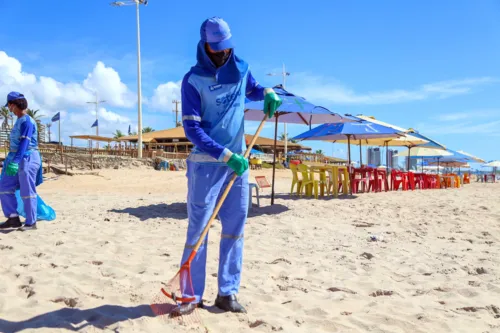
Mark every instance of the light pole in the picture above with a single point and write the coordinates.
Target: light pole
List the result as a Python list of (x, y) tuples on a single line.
[(139, 93), (284, 73), (96, 102), (176, 102)]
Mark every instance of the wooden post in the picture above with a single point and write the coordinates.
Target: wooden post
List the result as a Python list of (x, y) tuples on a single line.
[(91, 159), (66, 165)]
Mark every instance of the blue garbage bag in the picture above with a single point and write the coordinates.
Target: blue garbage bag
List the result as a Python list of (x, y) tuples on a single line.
[(43, 211)]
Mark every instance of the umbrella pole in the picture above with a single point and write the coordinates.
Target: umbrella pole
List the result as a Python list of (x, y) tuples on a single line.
[(274, 159), (408, 162), (360, 155), (386, 157), (349, 160)]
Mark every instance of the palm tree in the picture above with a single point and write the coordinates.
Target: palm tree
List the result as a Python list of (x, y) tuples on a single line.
[(282, 138), (319, 152), (147, 130), (36, 117), (5, 114), (118, 134)]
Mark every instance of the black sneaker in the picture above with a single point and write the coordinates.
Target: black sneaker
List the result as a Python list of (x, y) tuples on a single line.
[(28, 227), (12, 222), (229, 303), (186, 308)]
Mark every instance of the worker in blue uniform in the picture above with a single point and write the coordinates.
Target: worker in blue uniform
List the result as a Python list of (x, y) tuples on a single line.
[(22, 167), (213, 100)]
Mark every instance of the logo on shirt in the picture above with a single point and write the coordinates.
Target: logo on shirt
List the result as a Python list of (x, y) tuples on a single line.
[(215, 87), (228, 98)]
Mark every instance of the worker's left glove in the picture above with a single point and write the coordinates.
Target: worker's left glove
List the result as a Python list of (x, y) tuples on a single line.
[(12, 169), (238, 163), (271, 102)]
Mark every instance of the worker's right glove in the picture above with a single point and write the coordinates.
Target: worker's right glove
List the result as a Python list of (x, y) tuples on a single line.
[(238, 163)]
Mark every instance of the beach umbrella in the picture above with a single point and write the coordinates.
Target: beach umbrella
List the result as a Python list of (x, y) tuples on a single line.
[(475, 158), (295, 110), (351, 131), (424, 152), (430, 143), (494, 165), (255, 152)]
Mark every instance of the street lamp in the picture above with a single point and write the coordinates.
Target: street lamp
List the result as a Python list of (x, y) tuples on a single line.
[(96, 103), (139, 93), (284, 73)]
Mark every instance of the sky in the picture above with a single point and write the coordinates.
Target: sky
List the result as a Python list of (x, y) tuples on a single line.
[(430, 65)]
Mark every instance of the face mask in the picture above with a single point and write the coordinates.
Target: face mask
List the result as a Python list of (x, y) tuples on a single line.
[(219, 58)]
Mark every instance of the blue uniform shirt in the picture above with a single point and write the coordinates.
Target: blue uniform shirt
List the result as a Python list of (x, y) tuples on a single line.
[(213, 115), (23, 137)]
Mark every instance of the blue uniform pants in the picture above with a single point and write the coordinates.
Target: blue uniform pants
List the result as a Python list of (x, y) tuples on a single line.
[(25, 181), (206, 183)]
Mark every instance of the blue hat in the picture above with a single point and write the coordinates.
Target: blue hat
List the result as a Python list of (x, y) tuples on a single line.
[(215, 31), (12, 96)]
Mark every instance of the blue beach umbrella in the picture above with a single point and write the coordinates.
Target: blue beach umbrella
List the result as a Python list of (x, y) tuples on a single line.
[(293, 110)]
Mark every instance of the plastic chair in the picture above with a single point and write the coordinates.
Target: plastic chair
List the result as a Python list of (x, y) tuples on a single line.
[(399, 178), (250, 187), (308, 183), (295, 178)]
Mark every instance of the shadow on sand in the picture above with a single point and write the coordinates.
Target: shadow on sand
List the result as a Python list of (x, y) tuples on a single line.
[(178, 211), (73, 319)]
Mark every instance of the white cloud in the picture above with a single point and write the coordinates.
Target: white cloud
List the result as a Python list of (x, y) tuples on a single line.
[(318, 89), (49, 94), (485, 128), (475, 114), (70, 98), (164, 94)]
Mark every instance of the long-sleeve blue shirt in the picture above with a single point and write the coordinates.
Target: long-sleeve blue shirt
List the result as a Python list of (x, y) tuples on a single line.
[(213, 115), (23, 137)]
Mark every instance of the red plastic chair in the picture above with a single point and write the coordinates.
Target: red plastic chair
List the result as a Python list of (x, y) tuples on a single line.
[(399, 178)]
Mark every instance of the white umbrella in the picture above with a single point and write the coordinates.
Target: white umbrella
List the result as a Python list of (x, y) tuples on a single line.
[(493, 164), (424, 152), (475, 158)]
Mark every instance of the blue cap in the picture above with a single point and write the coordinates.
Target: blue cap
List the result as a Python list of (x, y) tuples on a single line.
[(12, 96), (215, 31)]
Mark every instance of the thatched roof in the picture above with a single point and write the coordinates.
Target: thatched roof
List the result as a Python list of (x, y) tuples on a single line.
[(93, 137), (171, 133), (178, 133)]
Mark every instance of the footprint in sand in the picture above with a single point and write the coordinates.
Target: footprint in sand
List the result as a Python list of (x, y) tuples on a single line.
[(382, 293), (28, 290), (71, 302)]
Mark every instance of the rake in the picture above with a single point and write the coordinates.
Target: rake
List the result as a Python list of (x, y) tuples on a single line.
[(180, 288)]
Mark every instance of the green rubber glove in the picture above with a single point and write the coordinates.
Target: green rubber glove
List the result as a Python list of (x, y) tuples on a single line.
[(271, 103), (238, 163), (12, 169)]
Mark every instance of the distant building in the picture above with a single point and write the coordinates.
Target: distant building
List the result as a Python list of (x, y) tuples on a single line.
[(373, 156), (393, 160), (41, 133), (413, 163)]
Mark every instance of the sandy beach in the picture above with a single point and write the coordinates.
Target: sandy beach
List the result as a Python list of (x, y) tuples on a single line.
[(309, 265)]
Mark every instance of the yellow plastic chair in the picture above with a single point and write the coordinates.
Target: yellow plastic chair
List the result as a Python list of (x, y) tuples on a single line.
[(307, 183), (323, 180), (333, 184), (295, 179)]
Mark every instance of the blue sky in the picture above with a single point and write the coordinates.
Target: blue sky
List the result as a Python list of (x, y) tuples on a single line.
[(430, 65)]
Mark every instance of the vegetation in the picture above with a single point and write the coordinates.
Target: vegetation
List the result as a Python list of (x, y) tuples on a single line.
[(118, 134), (282, 138)]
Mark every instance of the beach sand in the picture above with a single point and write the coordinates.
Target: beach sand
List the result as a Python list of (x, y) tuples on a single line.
[(308, 264)]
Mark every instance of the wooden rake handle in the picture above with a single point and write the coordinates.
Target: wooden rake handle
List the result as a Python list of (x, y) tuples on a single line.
[(224, 195)]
